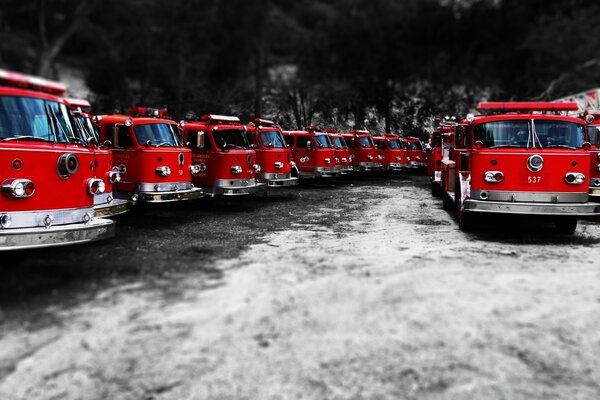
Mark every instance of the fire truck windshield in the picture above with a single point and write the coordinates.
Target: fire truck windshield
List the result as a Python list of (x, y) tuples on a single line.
[(156, 135), (272, 139), (365, 141), (530, 133), (323, 142), (231, 139), (26, 118), (86, 128), (414, 146), (394, 144), (338, 143)]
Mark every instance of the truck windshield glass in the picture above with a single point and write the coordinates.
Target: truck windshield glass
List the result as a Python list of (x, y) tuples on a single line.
[(323, 142), (28, 118), (272, 139), (394, 144), (156, 135), (414, 146), (231, 139), (365, 141), (86, 128), (593, 133), (338, 143), (530, 133)]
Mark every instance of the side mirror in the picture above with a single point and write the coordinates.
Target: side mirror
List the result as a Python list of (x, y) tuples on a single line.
[(92, 142), (200, 140), (115, 136)]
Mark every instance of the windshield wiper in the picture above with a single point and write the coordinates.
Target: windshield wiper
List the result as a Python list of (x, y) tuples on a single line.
[(564, 146), (26, 137), (164, 144), (498, 146)]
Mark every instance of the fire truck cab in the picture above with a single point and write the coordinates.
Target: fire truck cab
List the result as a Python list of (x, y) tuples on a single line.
[(594, 137), (415, 152), (272, 154), (313, 153), (390, 152), (49, 177), (363, 154), (222, 151), (342, 155), (154, 166), (105, 205), (441, 140), (520, 158)]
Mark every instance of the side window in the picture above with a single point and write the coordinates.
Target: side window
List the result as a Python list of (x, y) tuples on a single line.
[(461, 137), (289, 140), (124, 137), (302, 142)]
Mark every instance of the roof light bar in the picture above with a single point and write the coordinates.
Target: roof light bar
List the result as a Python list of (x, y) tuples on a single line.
[(263, 122), (79, 103), (137, 111), (220, 118), (526, 106), (15, 79)]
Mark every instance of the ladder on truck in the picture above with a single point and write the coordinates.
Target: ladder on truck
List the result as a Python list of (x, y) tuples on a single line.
[(587, 101)]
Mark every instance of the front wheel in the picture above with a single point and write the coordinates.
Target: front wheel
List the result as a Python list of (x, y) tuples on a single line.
[(565, 225), (466, 220), (436, 189)]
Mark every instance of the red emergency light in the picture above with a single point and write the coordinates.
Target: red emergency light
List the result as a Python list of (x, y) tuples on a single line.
[(136, 111), (79, 103), (526, 106), (331, 130), (263, 122), (312, 128), (15, 79), (360, 131), (222, 119)]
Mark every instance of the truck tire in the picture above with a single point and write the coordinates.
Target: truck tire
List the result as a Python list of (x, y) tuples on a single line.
[(565, 224), (436, 189), (447, 203), (466, 220)]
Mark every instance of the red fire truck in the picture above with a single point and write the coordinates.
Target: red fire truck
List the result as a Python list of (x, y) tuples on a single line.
[(272, 154), (153, 164), (390, 152), (589, 107), (49, 177), (222, 151), (313, 153), (441, 140), (105, 205), (520, 158), (363, 155), (342, 155), (414, 152)]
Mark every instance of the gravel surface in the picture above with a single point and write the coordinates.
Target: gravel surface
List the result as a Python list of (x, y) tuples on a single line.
[(345, 290)]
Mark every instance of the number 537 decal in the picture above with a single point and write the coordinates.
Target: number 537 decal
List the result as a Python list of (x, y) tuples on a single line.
[(534, 179)]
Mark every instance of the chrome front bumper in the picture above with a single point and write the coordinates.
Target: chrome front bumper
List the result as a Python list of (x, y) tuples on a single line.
[(501, 207), (321, 172), (164, 197), (278, 180), (236, 187), (369, 166), (56, 235), (396, 167), (110, 209)]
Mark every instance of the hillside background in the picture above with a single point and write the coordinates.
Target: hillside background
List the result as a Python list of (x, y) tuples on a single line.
[(382, 64)]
